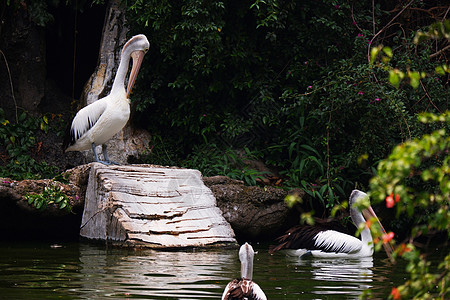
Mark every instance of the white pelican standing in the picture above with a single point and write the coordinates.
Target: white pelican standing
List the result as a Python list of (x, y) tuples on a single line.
[(322, 241), (98, 122), (244, 287)]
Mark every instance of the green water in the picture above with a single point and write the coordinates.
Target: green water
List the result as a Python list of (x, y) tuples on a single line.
[(90, 271)]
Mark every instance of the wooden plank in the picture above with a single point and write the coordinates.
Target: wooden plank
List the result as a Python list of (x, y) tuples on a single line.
[(154, 207)]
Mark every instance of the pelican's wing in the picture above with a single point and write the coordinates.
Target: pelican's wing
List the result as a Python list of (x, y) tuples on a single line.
[(230, 286), (243, 289), (84, 120), (337, 242), (258, 292), (305, 237), (297, 237)]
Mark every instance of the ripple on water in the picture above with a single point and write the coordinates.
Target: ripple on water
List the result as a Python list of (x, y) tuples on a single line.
[(86, 271)]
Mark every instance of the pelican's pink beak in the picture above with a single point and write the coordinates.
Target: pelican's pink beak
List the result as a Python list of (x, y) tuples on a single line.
[(368, 214), (137, 57)]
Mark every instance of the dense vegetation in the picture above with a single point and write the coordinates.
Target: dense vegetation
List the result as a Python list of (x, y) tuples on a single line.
[(289, 82), (286, 83)]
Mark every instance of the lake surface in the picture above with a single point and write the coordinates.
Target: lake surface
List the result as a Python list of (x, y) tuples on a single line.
[(81, 270)]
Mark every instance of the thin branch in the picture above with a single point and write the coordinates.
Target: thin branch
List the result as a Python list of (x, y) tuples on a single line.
[(354, 21), (445, 16), (373, 17), (12, 87), (440, 51), (385, 26), (428, 96)]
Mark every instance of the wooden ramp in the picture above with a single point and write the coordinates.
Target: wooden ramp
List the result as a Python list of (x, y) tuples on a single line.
[(152, 207)]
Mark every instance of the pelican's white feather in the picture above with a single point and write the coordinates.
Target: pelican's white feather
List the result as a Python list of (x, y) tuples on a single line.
[(91, 113), (335, 241), (258, 292)]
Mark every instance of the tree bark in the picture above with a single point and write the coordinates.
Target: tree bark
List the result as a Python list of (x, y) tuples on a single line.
[(152, 207)]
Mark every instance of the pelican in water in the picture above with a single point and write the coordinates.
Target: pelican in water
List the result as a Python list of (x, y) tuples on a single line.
[(244, 287), (98, 122), (323, 241)]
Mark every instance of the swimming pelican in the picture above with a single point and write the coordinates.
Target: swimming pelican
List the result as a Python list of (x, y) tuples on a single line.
[(244, 287), (321, 241), (98, 122)]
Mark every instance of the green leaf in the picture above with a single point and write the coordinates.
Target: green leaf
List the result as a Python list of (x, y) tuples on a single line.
[(374, 53), (414, 79), (38, 205), (440, 70), (388, 51), (394, 79)]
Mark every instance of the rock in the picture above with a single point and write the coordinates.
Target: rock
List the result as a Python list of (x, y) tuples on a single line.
[(15, 191), (256, 213), (20, 221), (152, 207)]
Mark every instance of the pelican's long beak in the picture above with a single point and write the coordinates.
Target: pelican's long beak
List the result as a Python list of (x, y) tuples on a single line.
[(368, 214), (137, 57)]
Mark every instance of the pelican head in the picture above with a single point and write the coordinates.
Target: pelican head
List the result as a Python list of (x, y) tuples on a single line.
[(135, 48), (359, 217)]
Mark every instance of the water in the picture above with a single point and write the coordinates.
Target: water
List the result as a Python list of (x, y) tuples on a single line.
[(91, 271)]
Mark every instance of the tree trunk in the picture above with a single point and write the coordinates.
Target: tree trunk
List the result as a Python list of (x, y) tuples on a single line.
[(152, 207)]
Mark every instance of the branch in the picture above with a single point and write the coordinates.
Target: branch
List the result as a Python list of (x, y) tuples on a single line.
[(10, 81), (440, 51), (385, 26)]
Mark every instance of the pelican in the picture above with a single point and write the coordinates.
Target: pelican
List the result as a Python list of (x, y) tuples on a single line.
[(244, 287), (321, 241), (98, 122)]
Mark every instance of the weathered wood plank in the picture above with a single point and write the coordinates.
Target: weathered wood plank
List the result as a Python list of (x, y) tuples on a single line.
[(152, 206)]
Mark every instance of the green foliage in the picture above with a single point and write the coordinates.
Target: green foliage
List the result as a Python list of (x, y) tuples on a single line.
[(418, 173), (18, 144), (215, 161), (288, 80), (209, 159), (426, 160), (216, 68), (439, 30), (50, 195)]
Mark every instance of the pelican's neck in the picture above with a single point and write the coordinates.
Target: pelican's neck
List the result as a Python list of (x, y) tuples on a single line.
[(358, 218), (247, 268), (122, 70), (246, 257)]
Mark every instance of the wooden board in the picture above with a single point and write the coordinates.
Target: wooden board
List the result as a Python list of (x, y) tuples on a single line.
[(154, 207)]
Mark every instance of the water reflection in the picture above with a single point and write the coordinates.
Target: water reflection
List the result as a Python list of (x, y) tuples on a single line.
[(153, 274), (347, 278), (341, 276), (87, 271)]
